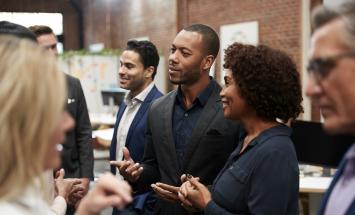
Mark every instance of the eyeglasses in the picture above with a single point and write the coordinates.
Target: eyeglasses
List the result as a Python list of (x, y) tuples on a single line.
[(320, 67)]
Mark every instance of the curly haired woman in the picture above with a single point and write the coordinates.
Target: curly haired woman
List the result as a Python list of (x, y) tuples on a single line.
[(261, 175)]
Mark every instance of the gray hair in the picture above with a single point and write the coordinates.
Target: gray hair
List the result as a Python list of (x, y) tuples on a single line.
[(323, 15)]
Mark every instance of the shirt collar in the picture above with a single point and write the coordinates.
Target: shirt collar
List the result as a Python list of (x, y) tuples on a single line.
[(203, 97), (278, 130), (351, 152), (138, 98)]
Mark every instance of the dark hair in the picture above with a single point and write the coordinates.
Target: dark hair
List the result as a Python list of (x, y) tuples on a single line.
[(19, 31), (268, 80), (147, 52), (323, 15), (40, 30), (209, 37)]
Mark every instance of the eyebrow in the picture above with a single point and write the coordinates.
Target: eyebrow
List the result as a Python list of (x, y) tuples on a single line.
[(227, 78), (181, 48), (126, 63)]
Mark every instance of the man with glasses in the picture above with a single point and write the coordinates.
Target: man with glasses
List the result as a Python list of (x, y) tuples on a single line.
[(332, 87)]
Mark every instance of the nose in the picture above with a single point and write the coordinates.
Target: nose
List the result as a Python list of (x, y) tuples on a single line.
[(222, 93), (173, 59), (121, 71), (313, 88)]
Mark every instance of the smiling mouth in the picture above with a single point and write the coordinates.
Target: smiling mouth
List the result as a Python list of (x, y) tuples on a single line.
[(325, 111), (224, 103)]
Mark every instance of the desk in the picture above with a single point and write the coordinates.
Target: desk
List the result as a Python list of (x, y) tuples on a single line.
[(102, 119), (103, 136), (311, 184), (311, 191)]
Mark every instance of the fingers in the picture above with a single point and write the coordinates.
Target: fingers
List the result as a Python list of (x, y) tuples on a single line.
[(126, 154), (184, 201), (60, 174), (184, 188), (110, 184), (137, 173), (132, 168), (77, 195), (195, 183), (167, 187), (114, 201), (76, 189), (183, 178), (117, 164), (165, 194), (131, 171), (74, 181)]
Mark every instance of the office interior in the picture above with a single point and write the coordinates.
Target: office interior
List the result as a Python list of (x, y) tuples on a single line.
[(92, 33)]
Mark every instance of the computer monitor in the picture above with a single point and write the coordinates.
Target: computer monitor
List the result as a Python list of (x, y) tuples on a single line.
[(314, 146), (115, 95)]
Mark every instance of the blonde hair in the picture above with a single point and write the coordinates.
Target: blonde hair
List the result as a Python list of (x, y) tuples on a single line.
[(32, 93)]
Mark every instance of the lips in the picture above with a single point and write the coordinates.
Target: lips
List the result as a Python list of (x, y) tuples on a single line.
[(123, 80), (173, 69), (224, 103), (326, 111)]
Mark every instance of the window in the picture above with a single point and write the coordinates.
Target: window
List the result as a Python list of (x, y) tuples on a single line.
[(53, 20)]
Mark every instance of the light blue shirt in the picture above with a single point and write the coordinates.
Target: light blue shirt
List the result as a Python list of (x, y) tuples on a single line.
[(344, 191)]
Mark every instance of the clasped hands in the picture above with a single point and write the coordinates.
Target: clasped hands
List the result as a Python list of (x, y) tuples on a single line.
[(192, 194), (71, 189)]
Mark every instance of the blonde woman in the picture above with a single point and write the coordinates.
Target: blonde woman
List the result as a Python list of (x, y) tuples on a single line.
[(32, 125)]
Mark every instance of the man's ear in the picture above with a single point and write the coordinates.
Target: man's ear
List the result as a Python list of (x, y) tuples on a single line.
[(207, 62), (148, 72)]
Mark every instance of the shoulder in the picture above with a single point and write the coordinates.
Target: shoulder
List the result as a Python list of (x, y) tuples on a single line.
[(161, 101), (10, 208), (156, 92), (72, 80), (277, 146)]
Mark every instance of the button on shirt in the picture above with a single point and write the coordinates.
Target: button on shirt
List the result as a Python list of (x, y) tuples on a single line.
[(343, 193), (184, 120), (133, 105)]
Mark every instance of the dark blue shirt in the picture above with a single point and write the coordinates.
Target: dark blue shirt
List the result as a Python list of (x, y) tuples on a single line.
[(184, 120), (263, 179)]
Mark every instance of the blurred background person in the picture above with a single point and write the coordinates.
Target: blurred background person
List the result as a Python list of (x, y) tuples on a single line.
[(77, 155), (56, 190), (33, 124), (261, 176), (331, 86)]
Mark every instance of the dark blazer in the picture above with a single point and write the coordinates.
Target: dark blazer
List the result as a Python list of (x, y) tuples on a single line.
[(264, 179), (351, 209), (77, 155), (135, 141), (212, 140)]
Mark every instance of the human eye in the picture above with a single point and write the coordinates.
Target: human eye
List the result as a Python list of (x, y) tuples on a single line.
[(185, 54), (172, 49), (226, 81)]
